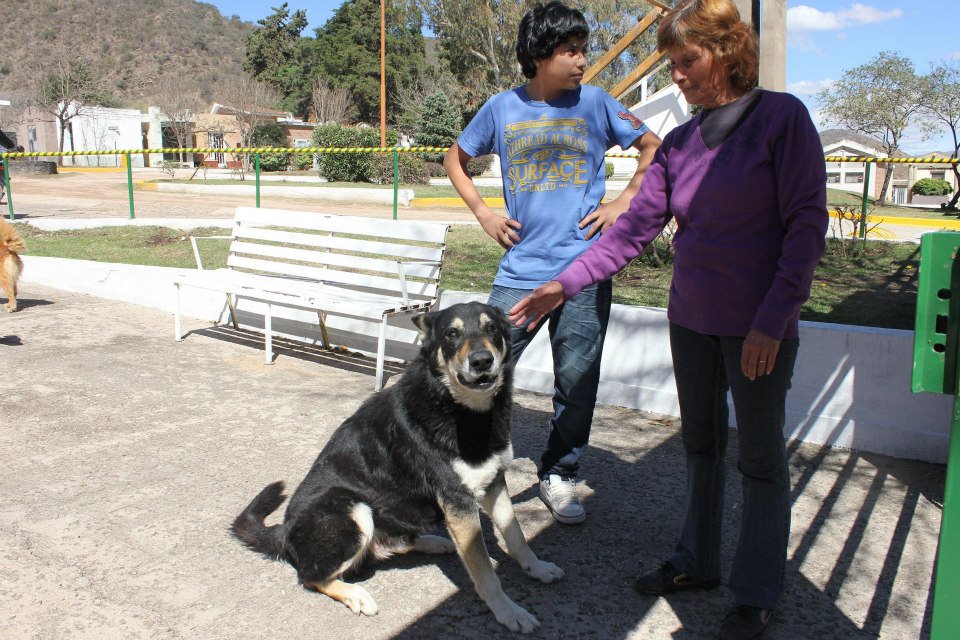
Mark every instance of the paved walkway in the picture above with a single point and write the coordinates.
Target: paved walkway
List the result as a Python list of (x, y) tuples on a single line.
[(124, 456)]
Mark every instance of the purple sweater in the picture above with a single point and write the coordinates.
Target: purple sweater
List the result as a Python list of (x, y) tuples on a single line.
[(751, 219)]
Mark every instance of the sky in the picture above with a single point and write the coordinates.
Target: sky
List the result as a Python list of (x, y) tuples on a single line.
[(824, 39)]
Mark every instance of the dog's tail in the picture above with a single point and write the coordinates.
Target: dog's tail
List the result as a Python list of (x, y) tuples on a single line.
[(10, 238), (249, 527)]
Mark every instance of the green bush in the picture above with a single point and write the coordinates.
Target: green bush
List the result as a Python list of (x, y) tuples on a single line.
[(435, 170), (350, 167), (304, 161), (411, 169), (931, 187), (608, 170), (270, 135), (477, 166)]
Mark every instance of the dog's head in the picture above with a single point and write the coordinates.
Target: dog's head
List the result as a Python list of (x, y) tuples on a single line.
[(468, 347)]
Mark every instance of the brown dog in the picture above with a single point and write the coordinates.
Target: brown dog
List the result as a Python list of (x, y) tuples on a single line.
[(10, 263)]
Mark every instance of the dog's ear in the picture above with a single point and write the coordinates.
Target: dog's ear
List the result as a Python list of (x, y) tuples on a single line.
[(425, 322)]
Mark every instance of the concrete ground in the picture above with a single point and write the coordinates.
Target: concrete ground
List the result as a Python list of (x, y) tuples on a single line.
[(124, 456)]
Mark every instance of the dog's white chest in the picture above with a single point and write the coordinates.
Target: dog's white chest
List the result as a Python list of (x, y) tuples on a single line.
[(476, 478)]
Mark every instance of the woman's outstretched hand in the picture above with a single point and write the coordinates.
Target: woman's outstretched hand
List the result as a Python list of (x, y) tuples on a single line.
[(538, 304)]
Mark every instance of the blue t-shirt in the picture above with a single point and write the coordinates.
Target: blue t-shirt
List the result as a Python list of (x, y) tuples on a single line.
[(552, 161)]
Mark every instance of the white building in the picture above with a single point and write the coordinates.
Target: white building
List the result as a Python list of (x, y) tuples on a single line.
[(95, 128)]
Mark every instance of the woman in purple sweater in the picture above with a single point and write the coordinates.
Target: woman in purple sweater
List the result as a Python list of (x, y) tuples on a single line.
[(745, 181)]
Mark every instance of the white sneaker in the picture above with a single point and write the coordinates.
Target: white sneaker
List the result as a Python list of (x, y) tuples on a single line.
[(559, 493)]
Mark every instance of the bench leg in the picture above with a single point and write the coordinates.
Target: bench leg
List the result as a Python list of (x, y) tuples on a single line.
[(233, 312), (268, 335), (381, 352), (177, 333), (323, 329)]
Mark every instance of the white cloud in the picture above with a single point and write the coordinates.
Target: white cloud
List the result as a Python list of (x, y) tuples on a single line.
[(806, 88), (804, 18)]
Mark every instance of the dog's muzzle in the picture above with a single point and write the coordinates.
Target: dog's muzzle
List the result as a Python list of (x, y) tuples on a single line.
[(483, 370)]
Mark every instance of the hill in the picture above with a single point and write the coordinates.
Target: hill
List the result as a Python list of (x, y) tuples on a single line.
[(131, 44)]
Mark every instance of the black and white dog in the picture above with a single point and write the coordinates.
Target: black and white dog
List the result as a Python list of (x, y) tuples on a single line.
[(431, 448)]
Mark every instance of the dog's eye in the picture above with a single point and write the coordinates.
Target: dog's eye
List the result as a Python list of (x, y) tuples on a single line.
[(452, 334), (490, 329)]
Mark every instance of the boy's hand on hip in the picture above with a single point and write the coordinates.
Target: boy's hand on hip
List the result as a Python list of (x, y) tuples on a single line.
[(602, 219), (503, 230)]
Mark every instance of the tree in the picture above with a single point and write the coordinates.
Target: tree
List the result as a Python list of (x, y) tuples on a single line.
[(477, 40), (252, 104), (278, 55), (177, 98), (331, 104), (941, 103), (348, 51), (64, 87), (880, 98), (440, 124)]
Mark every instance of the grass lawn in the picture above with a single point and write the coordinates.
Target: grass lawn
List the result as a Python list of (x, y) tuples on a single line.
[(875, 288), (837, 197)]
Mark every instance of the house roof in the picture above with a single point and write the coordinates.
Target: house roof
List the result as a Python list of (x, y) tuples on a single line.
[(218, 108), (834, 136)]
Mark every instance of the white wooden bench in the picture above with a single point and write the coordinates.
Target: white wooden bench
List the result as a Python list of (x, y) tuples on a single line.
[(352, 266)]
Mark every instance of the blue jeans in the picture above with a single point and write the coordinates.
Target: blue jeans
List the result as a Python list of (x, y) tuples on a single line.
[(577, 329), (705, 367)]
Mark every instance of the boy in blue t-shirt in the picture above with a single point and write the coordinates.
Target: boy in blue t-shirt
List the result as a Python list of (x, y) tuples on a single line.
[(551, 136)]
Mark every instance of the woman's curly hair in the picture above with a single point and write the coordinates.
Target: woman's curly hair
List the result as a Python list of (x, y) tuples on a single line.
[(714, 25)]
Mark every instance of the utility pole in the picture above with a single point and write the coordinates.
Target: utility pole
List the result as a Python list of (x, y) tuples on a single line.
[(383, 73)]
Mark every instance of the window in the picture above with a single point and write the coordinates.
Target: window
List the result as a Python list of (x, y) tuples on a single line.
[(938, 175), (833, 178), (852, 178)]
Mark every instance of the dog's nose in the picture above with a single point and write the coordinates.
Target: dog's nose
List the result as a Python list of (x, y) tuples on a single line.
[(481, 360)]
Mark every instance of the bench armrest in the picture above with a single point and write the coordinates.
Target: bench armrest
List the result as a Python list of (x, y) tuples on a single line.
[(196, 251), (403, 275)]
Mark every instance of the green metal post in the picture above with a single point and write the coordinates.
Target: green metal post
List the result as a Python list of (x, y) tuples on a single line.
[(6, 184), (936, 368), (863, 202), (130, 184), (396, 181), (946, 613), (256, 171)]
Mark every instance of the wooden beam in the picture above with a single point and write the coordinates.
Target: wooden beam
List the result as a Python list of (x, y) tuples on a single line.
[(622, 44), (635, 75)]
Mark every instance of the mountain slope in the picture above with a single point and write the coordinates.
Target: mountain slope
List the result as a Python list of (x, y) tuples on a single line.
[(132, 45)]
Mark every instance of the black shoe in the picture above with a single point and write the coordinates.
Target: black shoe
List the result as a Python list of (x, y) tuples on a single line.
[(744, 622), (668, 579)]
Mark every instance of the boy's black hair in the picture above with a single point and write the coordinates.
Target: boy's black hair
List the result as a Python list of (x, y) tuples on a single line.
[(544, 28)]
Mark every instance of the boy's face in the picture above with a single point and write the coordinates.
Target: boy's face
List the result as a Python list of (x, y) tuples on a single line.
[(563, 70)]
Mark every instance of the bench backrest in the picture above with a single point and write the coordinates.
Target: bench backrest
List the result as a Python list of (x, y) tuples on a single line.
[(389, 257)]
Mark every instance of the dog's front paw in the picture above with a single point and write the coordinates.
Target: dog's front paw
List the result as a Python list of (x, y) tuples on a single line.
[(514, 617), (544, 571), (360, 601)]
